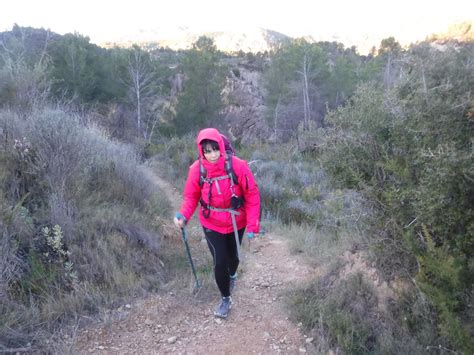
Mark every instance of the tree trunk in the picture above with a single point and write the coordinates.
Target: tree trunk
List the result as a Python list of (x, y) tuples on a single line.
[(306, 101), (275, 115), (141, 79)]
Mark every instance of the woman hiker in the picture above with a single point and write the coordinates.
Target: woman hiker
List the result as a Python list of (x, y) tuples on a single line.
[(230, 203)]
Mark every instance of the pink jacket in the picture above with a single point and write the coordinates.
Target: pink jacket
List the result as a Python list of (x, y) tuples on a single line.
[(246, 188)]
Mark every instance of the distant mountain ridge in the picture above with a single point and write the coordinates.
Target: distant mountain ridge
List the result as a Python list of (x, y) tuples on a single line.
[(257, 39), (254, 39), (462, 32)]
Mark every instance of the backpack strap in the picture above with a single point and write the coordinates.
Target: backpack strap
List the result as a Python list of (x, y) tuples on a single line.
[(228, 169), (236, 202), (202, 173)]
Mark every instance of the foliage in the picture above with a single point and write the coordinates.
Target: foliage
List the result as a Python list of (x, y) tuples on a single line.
[(409, 150), (342, 312), (175, 156), (78, 222), (297, 69), (300, 192), (205, 78), (76, 71), (24, 74), (326, 73), (396, 145), (145, 82)]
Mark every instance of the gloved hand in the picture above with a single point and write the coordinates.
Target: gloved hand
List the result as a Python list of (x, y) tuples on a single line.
[(250, 235), (179, 220)]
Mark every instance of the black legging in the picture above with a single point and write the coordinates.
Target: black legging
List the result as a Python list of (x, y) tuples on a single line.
[(224, 253)]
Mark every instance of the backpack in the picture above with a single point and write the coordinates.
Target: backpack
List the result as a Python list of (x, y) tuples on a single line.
[(227, 145), (236, 202)]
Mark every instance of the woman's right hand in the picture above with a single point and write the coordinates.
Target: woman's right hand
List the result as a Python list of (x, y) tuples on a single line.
[(179, 220)]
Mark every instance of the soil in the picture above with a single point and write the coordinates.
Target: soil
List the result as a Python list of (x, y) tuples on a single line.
[(176, 321)]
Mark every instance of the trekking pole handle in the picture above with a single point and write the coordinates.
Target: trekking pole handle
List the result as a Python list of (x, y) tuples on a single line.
[(179, 220)]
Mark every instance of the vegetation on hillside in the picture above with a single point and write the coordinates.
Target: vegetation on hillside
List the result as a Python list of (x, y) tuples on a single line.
[(373, 159), (406, 146)]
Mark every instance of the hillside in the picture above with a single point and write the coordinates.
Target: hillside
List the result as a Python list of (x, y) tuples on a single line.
[(364, 161)]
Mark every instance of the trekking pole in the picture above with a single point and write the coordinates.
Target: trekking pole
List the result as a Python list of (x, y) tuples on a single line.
[(188, 252), (233, 213), (236, 233)]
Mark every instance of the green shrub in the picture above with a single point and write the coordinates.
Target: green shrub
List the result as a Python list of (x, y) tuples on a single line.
[(346, 311), (343, 313), (409, 151)]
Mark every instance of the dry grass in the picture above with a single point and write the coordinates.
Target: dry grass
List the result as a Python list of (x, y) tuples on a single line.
[(57, 171)]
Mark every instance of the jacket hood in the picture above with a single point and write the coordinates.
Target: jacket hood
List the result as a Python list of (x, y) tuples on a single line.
[(212, 134)]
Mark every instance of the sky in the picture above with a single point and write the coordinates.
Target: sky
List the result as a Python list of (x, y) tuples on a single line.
[(103, 20)]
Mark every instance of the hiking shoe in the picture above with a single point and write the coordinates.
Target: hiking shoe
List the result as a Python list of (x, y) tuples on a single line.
[(222, 311), (232, 283)]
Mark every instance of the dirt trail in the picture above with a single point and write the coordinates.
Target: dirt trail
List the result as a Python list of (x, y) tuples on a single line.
[(178, 323)]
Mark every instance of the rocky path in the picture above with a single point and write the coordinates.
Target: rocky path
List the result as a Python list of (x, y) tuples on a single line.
[(180, 324), (176, 322)]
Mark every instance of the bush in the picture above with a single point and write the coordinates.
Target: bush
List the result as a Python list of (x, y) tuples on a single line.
[(175, 157), (343, 313), (79, 223), (409, 151)]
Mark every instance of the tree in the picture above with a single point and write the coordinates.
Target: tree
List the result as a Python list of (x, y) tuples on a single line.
[(200, 101), (140, 81), (295, 82), (408, 147), (389, 50), (305, 73), (24, 68), (74, 68)]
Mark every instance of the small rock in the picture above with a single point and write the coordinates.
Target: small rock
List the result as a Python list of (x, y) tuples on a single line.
[(171, 340), (309, 340), (302, 350), (128, 306), (218, 321)]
